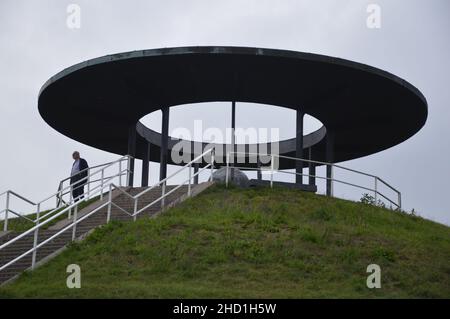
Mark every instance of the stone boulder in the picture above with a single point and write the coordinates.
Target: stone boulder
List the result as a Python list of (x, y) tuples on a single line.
[(235, 177)]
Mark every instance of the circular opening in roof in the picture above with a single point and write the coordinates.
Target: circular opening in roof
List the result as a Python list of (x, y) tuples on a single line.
[(202, 122)]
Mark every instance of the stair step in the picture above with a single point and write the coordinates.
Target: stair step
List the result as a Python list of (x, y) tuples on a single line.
[(99, 218)]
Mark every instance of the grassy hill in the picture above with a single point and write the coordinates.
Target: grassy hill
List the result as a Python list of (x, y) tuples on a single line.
[(254, 243)]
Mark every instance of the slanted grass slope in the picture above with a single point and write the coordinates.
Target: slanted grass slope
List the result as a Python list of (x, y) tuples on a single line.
[(254, 243)]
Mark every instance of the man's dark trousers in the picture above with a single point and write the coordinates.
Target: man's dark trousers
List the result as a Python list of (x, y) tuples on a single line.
[(78, 191)]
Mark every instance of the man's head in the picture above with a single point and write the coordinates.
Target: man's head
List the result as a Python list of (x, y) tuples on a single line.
[(76, 155)]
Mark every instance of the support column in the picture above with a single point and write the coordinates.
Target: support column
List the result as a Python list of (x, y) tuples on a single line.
[(330, 159), (299, 147), (259, 173), (131, 152), (233, 136), (196, 166), (164, 143), (145, 165), (233, 126), (258, 162), (311, 170)]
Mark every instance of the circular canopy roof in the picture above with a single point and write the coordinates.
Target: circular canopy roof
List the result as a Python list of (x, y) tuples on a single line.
[(97, 101)]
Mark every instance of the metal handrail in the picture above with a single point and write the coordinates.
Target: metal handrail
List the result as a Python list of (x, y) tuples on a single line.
[(211, 150), (109, 203), (65, 190), (90, 168), (171, 191), (377, 179), (163, 183), (63, 210), (37, 246), (57, 208), (17, 214), (40, 224), (106, 165), (124, 172), (50, 213), (21, 197), (326, 178), (61, 182)]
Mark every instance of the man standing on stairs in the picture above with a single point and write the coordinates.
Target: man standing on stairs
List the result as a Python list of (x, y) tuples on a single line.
[(78, 176)]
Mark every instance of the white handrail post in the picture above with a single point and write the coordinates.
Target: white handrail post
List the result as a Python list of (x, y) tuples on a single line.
[(74, 229), (135, 209), (5, 223), (376, 190), (38, 212), (120, 172), (163, 193), (70, 202), (212, 163), (399, 200), (58, 195), (271, 168), (88, 182), (35, 239), (108, 216), (61, 195), (226, 172), (190, 176), (101, 184), (128, 169)]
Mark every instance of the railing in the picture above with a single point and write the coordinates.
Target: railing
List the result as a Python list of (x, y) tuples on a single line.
[(90, 181), (94, 180), (8, 210), (109, 186), (376, 180), (163, 184), (106, 183)]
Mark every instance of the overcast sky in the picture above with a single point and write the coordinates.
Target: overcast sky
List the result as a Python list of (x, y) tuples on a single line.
[(413, 43)]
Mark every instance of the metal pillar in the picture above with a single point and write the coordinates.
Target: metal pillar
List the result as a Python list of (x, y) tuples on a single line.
[(329, 159), (233, 126), (131, 152), (145, 165), (233, 136), (164, 143), (196, 166), (258, 163), (259, 174), (299, 147), (311, 170)]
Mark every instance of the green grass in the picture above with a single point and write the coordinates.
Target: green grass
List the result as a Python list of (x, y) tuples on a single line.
[(18, 224), (254, 243)]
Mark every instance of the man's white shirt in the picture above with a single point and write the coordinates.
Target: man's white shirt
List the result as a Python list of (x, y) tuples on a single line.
[(75, 167)]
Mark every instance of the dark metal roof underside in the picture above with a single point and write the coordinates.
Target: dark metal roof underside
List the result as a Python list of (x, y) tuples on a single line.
[(369, 110)]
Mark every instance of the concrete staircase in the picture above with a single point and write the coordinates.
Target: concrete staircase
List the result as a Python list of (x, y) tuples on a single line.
[(55, 246)]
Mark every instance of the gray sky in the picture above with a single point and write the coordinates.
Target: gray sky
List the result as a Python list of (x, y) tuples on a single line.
[(413, 43)]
